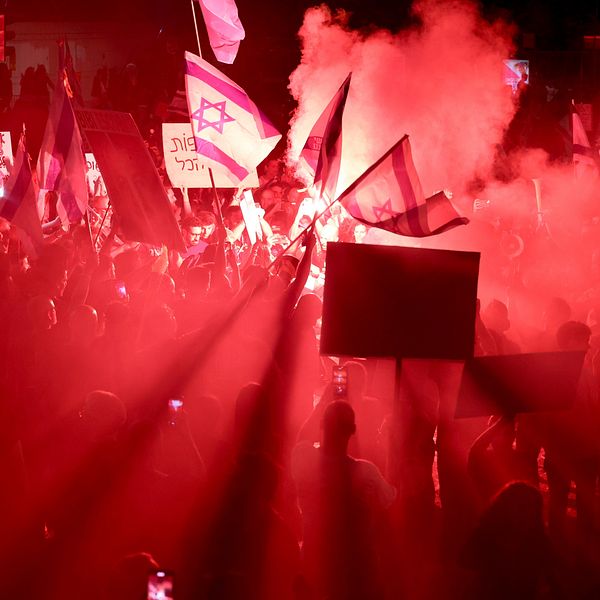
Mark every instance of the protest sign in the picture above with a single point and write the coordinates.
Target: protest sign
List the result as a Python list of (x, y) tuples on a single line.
[(6, 156), (183, 165), (93, 177), (132, 181), (251, 216)]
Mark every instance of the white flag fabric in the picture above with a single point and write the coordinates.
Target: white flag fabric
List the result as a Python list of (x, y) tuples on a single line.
[(322, 152), (585, 158), (232, 135), (225, 30), (388, 195), (18, 204), (61, 163)]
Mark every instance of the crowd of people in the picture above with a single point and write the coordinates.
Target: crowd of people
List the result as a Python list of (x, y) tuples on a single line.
[(169, 410)]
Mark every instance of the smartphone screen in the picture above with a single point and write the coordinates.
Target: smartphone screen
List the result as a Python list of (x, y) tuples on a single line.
[(175, 408), (160, 585), (340, 381), (121, 290), (175, 404)]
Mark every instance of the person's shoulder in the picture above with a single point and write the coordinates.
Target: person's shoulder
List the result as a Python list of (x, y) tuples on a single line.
[(370, 478), (366, 467)]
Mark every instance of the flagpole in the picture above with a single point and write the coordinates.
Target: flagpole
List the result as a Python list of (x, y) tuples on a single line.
[(303, 232), (216, 196), (349, 189), (212, 179), (196, 28), (86, 218), (102, 223)]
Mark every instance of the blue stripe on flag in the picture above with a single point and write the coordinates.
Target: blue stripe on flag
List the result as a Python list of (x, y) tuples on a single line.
[(406, 188), (237, 96), (208, 149), (62, 142), (17, 194)]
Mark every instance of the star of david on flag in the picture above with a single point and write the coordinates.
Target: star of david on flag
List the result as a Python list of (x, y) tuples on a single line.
[(204, 122), (232, 135), (388, 195)]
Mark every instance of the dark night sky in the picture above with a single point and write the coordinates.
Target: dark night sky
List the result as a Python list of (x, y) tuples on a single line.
[(552, 18), (270, 51), (558, 24)]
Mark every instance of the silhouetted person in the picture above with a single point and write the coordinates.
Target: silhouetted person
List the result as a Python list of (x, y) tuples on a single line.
[(369, 414), (571, 445), (556, 312), (43, 85), (495, 317), (493, 462), (252, 553), (6, 89), (342, 501), (508, 550)]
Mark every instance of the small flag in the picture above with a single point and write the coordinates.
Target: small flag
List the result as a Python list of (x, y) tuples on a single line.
[(585, 158), (19, 204), (231, 133), (388, 195), (225, 30), (67, 68), (61, 163), (322, 152)]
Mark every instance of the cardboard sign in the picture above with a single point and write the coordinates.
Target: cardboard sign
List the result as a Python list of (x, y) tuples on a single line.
[(93, 177), (385, 301), (251, 218), (6, 155), (519, 383), (134, 186), (183, 165)]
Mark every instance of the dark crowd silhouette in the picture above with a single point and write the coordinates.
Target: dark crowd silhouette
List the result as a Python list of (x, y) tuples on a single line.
[(168, 423)]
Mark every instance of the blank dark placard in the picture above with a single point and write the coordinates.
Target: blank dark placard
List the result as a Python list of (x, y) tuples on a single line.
[(519, 383), (399, 302)]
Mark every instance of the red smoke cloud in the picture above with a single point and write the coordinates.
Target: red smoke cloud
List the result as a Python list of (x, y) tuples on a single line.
[(440, 83)]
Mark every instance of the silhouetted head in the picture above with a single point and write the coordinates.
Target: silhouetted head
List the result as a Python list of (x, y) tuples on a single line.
[(338, 425), (197, 280), (83, 324), (517, 507), (495, 316), (42, 313), (103, 414), (308, 309), (574, 335), (160, 288), (284, 270)]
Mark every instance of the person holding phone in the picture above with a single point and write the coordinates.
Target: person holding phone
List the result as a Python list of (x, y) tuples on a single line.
[(343, 502)]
